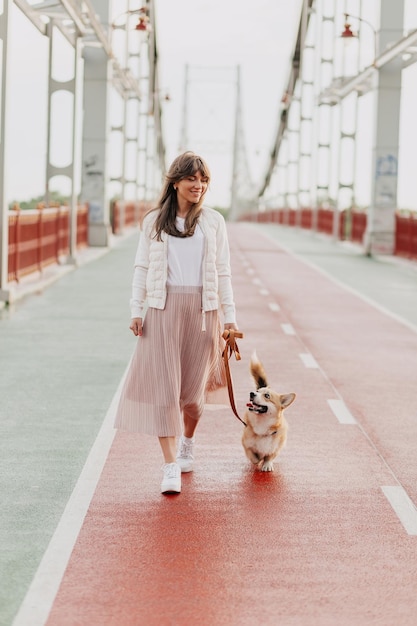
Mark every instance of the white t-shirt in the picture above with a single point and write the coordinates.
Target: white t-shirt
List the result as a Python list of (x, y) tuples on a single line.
[(185, 258)]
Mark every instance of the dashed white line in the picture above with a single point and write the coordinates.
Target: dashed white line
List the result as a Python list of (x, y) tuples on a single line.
[(341, 411), (288, 329), (403, 507), (250, 271), (343, 285), (309, 360), (264, 292), (274, 306), (256, 281)]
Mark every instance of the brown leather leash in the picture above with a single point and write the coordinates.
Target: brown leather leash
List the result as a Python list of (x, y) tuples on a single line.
[(230, 348)]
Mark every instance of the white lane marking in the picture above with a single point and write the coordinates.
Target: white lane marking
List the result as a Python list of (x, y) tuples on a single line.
[(403, 507), (340, 283), (264, 292), (288, 329), (256, 281), (341, 411), (274, 306), (41, 594), (309, 360), (250, 271)]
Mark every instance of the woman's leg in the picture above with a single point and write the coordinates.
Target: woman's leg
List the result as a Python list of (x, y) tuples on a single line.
[(185, 457), (190, 424), (171, 482), (169, 449)]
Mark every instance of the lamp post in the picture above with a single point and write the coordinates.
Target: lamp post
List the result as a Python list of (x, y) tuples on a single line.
[(134, 46), (349, 34), (143, 24), (380, 229)]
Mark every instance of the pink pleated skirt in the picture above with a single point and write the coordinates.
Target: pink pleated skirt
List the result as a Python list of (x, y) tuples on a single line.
[(176, 367)]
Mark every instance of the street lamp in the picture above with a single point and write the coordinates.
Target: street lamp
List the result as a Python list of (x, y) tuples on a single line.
[(143, 24), (348, 34)]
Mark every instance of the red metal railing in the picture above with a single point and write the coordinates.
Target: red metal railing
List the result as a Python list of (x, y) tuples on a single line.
[(82, 226), (325, 221), (358, 226), (405, 229), (406, 236), (305, 218), (40, 237), (127, 214)]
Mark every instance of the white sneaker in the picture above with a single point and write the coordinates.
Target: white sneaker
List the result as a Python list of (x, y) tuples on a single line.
[(185, 458), (171, 482)]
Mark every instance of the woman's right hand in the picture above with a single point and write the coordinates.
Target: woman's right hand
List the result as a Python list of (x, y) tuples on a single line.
[(136, 326)]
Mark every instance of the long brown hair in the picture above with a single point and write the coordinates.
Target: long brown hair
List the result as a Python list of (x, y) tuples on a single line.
[(186, 164)]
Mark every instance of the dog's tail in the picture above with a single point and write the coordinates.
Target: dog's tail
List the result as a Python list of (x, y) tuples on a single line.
[(258, 372)]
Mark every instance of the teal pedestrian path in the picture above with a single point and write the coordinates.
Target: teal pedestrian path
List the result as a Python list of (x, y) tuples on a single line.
[(62, 354)]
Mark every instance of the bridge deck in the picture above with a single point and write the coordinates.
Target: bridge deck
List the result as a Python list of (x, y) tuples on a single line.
[(329, 537)]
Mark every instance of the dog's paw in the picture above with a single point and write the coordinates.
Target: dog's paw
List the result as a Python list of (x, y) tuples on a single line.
[(268, 466)]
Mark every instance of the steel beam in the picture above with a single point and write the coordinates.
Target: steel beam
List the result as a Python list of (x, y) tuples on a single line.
[(364, 80), (4, 209), (289, 92), (75, 19), (380, 229)]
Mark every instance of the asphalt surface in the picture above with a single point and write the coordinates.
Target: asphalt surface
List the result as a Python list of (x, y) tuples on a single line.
[(330, 536)]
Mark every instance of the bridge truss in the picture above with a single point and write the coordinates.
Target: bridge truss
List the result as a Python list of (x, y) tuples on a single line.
[(323, 150), (114, 66)]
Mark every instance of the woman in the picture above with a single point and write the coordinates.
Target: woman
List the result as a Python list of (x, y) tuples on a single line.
[(182, 270)]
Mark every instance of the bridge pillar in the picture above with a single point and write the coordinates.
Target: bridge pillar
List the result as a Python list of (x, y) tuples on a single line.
[(380, 232), (96, 133), (4, 93)]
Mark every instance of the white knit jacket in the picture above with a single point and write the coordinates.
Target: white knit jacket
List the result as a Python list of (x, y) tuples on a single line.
[(151, 268)]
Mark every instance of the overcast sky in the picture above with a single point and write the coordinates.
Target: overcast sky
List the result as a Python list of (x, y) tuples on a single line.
[(213, 37), (206, 35)]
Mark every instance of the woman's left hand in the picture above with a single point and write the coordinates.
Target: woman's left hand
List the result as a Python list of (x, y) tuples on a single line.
[(230, 327)]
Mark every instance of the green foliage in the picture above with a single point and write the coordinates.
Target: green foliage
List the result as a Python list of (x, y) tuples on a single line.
[(55, 197)]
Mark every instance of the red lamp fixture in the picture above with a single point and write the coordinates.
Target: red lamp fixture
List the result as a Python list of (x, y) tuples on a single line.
[(143, 24), (347, 33), (143, 21)]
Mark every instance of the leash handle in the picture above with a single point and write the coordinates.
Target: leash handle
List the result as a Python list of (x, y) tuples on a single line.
[(230, 348)]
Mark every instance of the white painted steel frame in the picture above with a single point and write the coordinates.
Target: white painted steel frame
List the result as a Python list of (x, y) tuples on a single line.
[(80, 25), (380, 77), (4, 222), (71, 86)]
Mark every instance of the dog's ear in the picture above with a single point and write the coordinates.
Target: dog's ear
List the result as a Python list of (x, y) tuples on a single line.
[(261, 382), (258, 372), (286, 399)]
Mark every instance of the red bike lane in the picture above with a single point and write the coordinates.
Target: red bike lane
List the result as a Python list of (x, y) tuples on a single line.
[(315, 542)]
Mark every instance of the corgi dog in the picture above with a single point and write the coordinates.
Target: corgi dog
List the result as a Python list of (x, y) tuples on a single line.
[(266, 428)]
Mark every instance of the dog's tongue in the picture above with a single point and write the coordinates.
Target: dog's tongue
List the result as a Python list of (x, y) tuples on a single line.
[(249, 404)]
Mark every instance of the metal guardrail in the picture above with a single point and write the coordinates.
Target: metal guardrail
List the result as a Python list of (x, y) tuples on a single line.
[(322, 221), (127, 214), (40, 237), (406, 235)]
